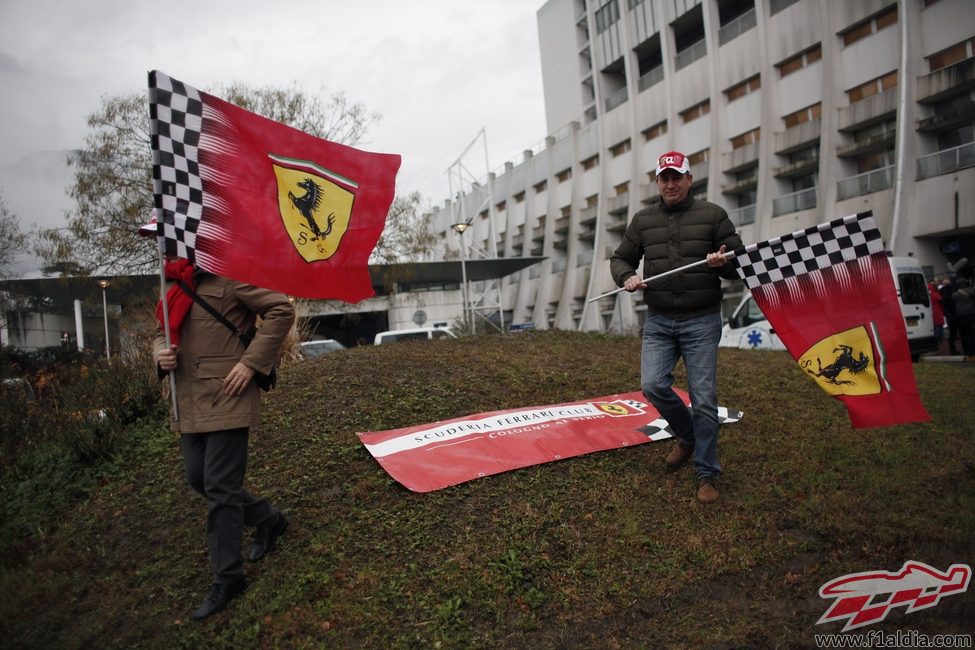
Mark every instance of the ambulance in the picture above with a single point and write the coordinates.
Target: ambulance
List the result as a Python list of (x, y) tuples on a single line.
[(748, 328)]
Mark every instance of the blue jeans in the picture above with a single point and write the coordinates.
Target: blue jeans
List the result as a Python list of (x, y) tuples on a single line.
[(695, 339)]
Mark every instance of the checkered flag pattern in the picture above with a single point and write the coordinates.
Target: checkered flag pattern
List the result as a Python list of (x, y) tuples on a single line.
[(660, 429), (176, 123), (812, 249)]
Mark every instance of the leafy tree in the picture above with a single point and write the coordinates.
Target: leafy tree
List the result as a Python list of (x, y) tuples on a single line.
[(12, 240), (113, 178)]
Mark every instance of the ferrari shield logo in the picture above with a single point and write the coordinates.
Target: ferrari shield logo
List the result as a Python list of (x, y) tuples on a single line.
[(315, 206), (843, 363)]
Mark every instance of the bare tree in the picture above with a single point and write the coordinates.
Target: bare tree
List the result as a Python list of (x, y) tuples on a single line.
[(113, 177), (12, 240), (407, 236)]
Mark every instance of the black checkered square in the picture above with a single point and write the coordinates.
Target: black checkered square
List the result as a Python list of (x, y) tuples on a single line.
[(175, 125), (812, 249)]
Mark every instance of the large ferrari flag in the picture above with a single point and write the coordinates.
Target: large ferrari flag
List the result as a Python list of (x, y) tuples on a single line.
[(251, 199), (432, 456), (829, 294)]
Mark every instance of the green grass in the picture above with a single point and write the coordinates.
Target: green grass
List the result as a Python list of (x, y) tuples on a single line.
[(606, 550)]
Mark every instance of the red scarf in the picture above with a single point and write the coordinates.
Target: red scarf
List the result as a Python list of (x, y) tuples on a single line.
[(177, 301)]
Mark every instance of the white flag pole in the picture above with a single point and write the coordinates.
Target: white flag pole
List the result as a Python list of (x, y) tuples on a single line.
[(646, 281), (165, 311)]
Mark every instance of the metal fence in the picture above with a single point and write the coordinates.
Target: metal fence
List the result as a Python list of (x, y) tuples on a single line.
[(801, 200), (866, 183), (944, 162), (737, 27), (742, 216), (690, 55)]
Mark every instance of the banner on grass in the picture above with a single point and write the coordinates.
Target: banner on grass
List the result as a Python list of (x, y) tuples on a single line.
[(433, 456), (829, 294), (251, 199)]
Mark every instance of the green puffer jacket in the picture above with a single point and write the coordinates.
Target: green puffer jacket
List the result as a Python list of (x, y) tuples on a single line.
[(667, 237)]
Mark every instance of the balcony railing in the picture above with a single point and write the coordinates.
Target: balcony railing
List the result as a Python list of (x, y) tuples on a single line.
[(616, 98), (866, 183), (947, 161), (801, 200), (737, 27), (686, 57), (742, 216), (651, 78)]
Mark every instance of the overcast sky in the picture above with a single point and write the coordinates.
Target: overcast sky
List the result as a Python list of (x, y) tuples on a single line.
[(436, 70)]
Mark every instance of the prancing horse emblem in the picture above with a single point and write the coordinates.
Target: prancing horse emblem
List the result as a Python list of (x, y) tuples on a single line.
[(309, 203), (845, 361)]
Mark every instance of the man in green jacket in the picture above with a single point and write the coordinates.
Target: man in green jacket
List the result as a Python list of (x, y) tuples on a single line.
[(683, 310), (218, 403)]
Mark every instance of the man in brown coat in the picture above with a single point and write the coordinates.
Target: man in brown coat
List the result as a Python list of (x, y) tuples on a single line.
[(218, 402)]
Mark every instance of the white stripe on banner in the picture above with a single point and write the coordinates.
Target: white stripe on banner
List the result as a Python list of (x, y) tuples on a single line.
[(453, 432)]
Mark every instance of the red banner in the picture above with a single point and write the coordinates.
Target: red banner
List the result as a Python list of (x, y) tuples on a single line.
[(248, 198), (433, 456)]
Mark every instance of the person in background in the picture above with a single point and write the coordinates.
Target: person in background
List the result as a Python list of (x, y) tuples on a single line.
[(937, 312), (683, 310), (963, 303), (947, 306)]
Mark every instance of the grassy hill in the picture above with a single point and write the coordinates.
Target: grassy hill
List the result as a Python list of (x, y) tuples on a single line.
[(606, 550)]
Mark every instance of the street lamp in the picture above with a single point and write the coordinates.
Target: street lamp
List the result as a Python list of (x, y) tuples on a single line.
[(104, 285), (459, 228)]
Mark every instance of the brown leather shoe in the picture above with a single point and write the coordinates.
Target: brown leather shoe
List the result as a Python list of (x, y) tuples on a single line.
[(678, 456), (706, 492)]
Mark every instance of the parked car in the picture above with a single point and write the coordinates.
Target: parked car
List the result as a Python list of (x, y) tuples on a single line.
[(311, 349), (415, 334), (748, 328)]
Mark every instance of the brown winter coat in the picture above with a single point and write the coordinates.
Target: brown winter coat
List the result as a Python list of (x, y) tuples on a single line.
[(208, 350)]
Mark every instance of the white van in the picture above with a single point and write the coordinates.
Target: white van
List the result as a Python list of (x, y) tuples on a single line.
[(416, 334), (747, 327)]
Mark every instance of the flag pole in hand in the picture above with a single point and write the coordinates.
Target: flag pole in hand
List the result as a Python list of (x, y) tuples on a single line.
[(646, 281)]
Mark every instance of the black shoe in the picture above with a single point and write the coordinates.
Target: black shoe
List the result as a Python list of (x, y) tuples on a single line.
[(265, 536), (221, 593)]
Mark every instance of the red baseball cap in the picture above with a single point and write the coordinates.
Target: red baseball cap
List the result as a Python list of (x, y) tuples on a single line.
[(673, 160)]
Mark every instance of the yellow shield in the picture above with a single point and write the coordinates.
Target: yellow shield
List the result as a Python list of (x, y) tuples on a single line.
[(314, 209), (843, 363)]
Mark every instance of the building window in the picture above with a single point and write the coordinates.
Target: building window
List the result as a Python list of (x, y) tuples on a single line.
[(775, 6), (740, 90), (592, 200), (873, 161), (803, 115), (606, 15), (951, 55), (622, 188), (800, 61), (696, 111), (564, 175), (540, 187), (519, 197), (565, 211), (655, 131), (809, 154), (588, 163), (872, 87), (870, 26), (699, 157), (620, 148), (499, 207), (747, 137)]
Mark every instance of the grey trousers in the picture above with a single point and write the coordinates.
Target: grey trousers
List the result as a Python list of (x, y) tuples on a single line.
[(215, 464)]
